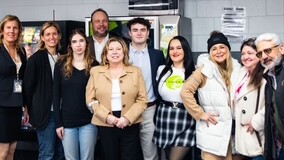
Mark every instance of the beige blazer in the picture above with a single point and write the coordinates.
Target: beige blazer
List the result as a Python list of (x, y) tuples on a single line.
[(133, 92)]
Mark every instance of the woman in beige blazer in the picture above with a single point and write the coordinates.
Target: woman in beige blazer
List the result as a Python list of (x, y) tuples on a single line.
[(116, 94)]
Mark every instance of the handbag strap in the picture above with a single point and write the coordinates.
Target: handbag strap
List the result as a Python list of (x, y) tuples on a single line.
[(256, 109), (257, 100)]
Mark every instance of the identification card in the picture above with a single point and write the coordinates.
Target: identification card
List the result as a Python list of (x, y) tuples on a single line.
[(17, 86)]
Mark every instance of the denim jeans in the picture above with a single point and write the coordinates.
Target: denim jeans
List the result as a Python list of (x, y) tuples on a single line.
[(258, 158), (50, 146), (79, 142), (281, 155)]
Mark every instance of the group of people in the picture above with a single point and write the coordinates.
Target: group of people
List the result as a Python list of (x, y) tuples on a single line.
[(135, 100)]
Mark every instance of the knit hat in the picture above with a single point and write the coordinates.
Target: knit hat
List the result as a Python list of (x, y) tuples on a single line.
[(217, 38)]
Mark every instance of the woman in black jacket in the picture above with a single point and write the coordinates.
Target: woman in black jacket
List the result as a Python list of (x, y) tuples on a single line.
[(38, 91), (12, 66)]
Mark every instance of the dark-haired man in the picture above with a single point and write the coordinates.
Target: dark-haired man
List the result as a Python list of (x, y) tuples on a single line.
[(148, 60)]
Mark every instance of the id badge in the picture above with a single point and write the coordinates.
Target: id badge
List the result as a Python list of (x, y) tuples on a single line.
[(17, 86)]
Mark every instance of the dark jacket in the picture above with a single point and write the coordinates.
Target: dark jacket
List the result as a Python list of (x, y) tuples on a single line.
[(8, 74), (156, 59), (38, 88), (269, 136)]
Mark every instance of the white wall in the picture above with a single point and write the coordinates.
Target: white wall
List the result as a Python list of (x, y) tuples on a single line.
[(262, 15)]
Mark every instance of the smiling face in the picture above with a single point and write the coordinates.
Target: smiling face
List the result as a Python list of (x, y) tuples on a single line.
[(100, 24), (219, 53), (78, 44), (176, 51), (115, 53), (11, 31), (249, 58), (273, 58), (50, 37)]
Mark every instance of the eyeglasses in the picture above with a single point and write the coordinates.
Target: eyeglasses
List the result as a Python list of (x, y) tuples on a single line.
[(267, 51)]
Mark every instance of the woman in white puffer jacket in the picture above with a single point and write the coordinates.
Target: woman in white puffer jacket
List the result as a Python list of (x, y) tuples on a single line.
[(213, 113)]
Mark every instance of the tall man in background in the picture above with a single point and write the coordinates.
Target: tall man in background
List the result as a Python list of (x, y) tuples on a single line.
[(148, 60), (100, 25)]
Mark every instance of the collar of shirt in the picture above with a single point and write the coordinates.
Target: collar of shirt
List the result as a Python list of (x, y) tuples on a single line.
[(272, 75), (104, 41), (137, 52)]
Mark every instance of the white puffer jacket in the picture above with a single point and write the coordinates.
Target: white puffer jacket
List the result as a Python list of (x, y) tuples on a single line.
[(214, 98)]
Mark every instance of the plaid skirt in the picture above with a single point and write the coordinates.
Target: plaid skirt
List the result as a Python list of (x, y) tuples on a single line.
[(174, 127)]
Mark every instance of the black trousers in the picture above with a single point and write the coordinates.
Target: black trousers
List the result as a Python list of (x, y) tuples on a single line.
[(120, 144)]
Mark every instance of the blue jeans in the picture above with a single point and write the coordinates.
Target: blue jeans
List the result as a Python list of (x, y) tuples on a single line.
[(258, 158), (79, 142), (281, 155), (50, 146)]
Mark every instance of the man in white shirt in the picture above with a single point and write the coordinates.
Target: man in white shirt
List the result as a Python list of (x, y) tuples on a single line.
[(100, 25)]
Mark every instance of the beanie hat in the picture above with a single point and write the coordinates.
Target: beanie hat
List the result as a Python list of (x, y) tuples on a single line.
[(217, 38)]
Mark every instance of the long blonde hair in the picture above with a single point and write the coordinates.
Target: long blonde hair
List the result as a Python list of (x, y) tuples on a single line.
[(41, 44), (68, 58), (7, 18), (225, 68)]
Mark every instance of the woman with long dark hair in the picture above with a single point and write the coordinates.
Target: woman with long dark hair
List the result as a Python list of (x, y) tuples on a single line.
[(174, 130), (71, 75), (248, 104)]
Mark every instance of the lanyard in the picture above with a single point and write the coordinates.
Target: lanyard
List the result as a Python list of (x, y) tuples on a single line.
[(54, 60), (17, 62)]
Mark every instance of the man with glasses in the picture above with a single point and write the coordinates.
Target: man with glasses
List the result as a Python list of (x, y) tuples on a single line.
[(270, 50)]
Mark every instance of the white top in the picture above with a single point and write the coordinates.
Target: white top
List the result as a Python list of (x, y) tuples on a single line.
[(52, 60), (99, 48), (170, 87), (116, 102)]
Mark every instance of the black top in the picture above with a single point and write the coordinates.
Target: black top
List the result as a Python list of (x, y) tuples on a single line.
[(38, 88), (8, 73), (73, 111)]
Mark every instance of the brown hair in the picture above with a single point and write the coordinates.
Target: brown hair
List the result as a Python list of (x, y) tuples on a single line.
[(124, 49), (41, 44), (67, 59), (257, 74), (7, 18)]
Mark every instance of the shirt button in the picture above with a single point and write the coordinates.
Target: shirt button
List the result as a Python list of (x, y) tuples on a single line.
[(120, 81), (123, 106), (245, 98), (243, 111), (123, 93)]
